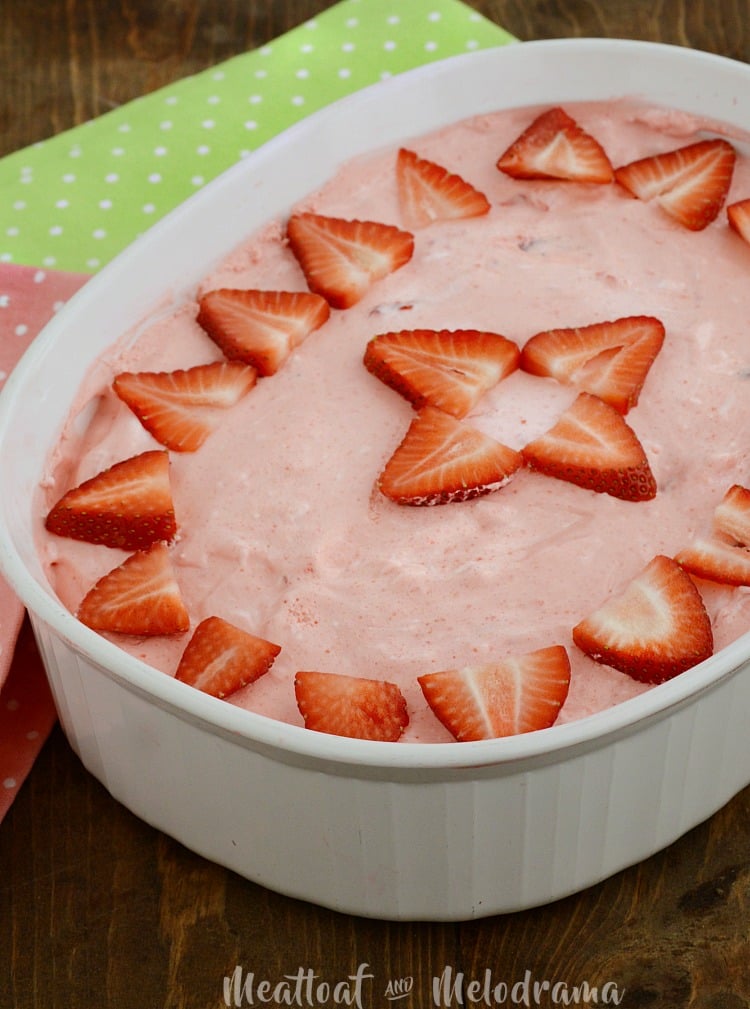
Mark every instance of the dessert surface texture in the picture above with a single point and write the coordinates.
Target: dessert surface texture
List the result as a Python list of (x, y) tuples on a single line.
[(456, 449)]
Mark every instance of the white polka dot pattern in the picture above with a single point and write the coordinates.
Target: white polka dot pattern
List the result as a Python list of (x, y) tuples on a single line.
[(28, 298), (74, 201)]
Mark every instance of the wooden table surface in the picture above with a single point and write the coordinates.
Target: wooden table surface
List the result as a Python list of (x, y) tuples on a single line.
[(99, 910)]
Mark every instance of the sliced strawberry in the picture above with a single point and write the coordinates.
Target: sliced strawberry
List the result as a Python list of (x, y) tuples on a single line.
[(656, 628), (592, 446), (441, 460), (260, 328), (128, 506), (732, 515), (554, 146), (522, 693), (609, 359), (180, 408), (342, 259), (428, 192), (351, 706), (716, 561), (738, 215), (221, 658), (139, 597), (690, 184), (450, 370), (723, 557)]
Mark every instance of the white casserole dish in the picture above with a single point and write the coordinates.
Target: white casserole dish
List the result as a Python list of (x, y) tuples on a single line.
[(417, 832)]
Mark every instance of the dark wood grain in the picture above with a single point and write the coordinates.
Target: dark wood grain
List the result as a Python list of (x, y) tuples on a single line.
[(716, 27), (84, 58), (98, 909)]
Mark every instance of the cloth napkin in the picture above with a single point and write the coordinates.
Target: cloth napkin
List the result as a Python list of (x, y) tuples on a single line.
[(69, 204), (74, 201), (29, 297)]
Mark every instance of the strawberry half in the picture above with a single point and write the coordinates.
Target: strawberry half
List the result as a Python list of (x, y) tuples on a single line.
[(716, 561), (554, 146), (738, 215), (128, 506), (655, 629), (522, 693), (441, 460), (220, 658), (428, 192), (450, 370), (180, 408), (690, 184), (732, 515), (592, 446), (139, 597), (608, 359), (351, 706), (342, 259), (260, 328)]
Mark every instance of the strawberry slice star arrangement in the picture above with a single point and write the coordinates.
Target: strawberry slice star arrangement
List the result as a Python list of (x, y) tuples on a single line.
[(592, 446), (441, 460), (608, 359), (447, 379), (449, 370)]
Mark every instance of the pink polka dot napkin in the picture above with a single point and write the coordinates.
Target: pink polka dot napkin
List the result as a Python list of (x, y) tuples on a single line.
[(29, 297)]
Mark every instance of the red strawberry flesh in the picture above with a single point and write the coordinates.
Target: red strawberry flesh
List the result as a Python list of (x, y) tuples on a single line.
[(181, 408), (690, 183), (518, 694), (128, 506), (221, 658), (732, 515), (351, 706), (738, 215), (608, 359), (342, 259), (716, 561), (428, 192), (554, 146), (140, 597), (447, 369), (441, 460), (260, 328), (591, 445), (655, 629)]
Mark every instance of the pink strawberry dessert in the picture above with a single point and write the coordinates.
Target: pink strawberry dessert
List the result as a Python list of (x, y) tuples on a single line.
[(456, 449)]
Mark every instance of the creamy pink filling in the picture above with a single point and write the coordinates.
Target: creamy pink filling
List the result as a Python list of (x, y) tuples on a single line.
[(281, 529)]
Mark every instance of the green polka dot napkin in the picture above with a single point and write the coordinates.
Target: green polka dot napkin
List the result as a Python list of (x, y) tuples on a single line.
[(74, 201)]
